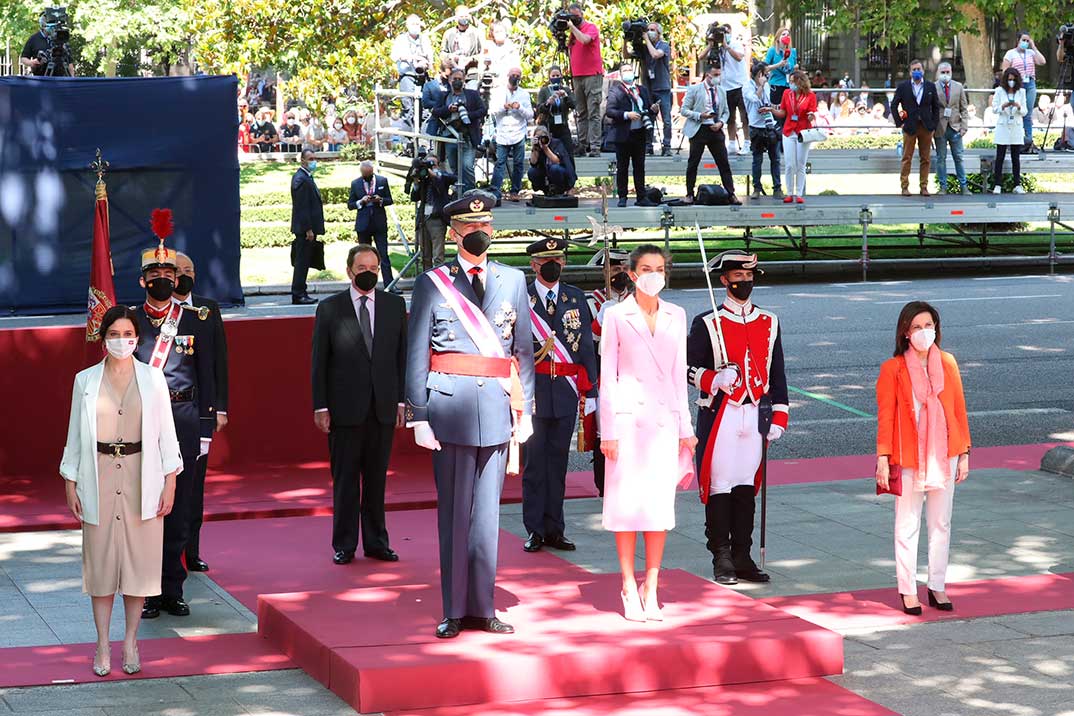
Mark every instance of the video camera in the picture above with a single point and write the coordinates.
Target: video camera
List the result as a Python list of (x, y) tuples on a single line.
[(420, 170), (634, 33), (716, 35), (54, 27), (559, 26), (1066, 39)]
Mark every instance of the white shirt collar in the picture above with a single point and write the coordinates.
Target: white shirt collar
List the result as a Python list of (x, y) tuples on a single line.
[(738, 308), (356, 294), (542, 290), (466, 266), (189, 300)]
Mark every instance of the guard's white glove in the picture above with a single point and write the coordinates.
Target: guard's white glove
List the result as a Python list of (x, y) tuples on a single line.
[(590, 406), (203, 450), (726, 377), (424, 437), (775, 432), (524, 429)]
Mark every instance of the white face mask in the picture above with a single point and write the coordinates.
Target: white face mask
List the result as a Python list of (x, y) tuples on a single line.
[(351, 120), (945, 77), (650, 283), (1010, 83), (120, 348), (922, 340)]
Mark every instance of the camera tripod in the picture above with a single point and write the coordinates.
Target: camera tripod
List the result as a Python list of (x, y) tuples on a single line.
[(1066, 72)]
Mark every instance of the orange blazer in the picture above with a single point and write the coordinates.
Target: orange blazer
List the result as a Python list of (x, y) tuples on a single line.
[(896, 430)]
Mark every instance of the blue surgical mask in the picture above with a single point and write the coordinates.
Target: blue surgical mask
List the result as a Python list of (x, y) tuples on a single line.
[(1024, 44), (917, 75), (628, 77), (313, 165)]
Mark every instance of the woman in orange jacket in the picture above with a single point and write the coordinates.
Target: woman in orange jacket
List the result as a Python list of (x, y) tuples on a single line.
[(923, 436)]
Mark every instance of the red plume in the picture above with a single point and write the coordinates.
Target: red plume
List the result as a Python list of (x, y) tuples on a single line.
[(161, 221)]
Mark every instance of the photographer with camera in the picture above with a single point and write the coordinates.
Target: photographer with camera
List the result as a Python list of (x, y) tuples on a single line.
[(551, 166), (782, 59), (412, 53), (706, 110), (462, 112), (765, 138), (512, 113), (587, 68), (462, 45), (432, 93), (47, 52), (429, 187), (654, 53), (631, 110), (735, 61), (554, 106)]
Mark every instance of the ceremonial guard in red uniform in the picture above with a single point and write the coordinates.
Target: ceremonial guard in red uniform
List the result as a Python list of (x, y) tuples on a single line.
[(734, 362)]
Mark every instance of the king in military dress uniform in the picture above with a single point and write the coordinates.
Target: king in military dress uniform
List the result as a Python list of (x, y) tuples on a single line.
[(734, 360), (469, 398), (565, 392), (178, 340)]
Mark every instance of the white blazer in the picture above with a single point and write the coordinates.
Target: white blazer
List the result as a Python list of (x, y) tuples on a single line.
[(1009, 128), (160, 445)]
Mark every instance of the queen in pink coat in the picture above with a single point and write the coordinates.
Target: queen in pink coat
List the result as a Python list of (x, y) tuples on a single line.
[(646, 433)]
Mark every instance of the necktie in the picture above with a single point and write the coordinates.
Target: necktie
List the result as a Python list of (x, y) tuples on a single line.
[(947, 92), (550, 303), (714, 98), (365, 324), (479, 287)]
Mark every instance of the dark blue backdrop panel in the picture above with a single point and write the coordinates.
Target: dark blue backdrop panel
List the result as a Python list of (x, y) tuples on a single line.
[(171, 142)]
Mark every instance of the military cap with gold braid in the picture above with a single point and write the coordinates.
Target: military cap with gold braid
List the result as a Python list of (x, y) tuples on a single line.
[(547, 248), (160, 256), (473, 207)]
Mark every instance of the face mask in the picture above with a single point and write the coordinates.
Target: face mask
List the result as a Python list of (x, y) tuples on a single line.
[(740, 289), (463, 22), (652, 36), (922, 340), (576, 19), (120, 348), (786, 39), (456, 85), (313, 166), (556, 81), (351, 120), (184, 285), (620, 282), (917, 74), (628, 77), (160, 288), (945, 78), (499, 37), (338, 125), (513, 80), (550, 271), (1011, 83), (414, 30), (793, 86), (714, 80), (1024, 44), (477, 243), (365, 280), (650, 283)]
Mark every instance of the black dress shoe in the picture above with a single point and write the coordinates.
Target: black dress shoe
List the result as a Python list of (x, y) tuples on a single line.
[(384, 555), (449, 628), (196, 564), (491, 625), (342, 557), (534, 543), (912, 611), (562, 543), (942, 606), (175, 606), (752, 573), (303, 301), (723, 569), (151, 608)]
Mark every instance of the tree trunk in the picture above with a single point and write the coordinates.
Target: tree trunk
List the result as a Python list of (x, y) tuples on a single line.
[(976, 54)]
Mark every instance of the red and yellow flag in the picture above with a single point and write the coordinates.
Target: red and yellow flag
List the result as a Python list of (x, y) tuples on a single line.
[(102, 292)]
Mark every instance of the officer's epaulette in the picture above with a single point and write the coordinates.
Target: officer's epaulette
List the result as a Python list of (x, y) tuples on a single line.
[(202, 311)]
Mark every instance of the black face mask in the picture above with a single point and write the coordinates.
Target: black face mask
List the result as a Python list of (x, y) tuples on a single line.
[(740, 289), (556, 81), (184, 285), (550, 271), (365, 280), (513, 80), (620, 282), (477, 243), (160, 288), (456, 85)]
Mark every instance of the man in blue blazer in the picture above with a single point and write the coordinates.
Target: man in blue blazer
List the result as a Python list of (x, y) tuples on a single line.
[(472, 406), (916, 109), (369, 195), (307, 223), (463, 113), (564, 382)]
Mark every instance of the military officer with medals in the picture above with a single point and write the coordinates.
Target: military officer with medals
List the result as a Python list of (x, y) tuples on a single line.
[(734, 362), (616, 288), (178, 341), (207, 310), (469, 399), (565, 392)]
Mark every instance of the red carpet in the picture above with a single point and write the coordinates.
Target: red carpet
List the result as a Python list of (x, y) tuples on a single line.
[(972, 600), (799, 697), (189, 656)]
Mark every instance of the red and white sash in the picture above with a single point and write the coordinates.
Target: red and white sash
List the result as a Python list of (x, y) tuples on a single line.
[(541, 332), (168, 330)]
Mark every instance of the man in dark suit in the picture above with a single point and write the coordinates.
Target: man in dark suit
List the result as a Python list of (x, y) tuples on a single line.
[(565, 385), (630, 110), (369, 195), (435, 191), (463, 113), (359, 366), (307, 223), (184, 294), (916, 108)]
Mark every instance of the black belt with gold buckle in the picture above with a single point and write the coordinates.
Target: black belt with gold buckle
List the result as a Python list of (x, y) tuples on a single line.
[(182, 396), (118, 450)]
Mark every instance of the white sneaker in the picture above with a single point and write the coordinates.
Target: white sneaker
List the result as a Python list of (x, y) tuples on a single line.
[(745, 148), (1019, 190), (997, 190), (732, 147)]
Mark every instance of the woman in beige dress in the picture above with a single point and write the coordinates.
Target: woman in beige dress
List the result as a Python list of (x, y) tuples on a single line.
[(120, 464)]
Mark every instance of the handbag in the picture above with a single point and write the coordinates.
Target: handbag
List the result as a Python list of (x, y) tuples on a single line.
[(813, 135), (894, 471)]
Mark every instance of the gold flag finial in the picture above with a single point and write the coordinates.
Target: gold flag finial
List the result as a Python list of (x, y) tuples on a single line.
[(100, 166)]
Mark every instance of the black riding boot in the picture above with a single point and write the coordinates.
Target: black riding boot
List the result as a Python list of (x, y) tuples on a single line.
[(717, 532), (742, 509)]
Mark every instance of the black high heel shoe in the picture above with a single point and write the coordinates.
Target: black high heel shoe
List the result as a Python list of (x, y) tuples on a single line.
[(942, 606), (912, 611)]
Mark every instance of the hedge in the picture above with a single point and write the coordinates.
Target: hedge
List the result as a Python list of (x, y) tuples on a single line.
[(979, 184)]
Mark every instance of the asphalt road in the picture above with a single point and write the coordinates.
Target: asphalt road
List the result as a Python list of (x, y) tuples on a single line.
[(1012, 335)]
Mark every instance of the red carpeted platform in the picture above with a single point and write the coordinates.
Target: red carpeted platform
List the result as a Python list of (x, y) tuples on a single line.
[(799, 697), (986, 598), (367, 632), (161, 658)]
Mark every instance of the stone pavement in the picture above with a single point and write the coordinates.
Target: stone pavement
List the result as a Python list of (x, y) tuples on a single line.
[(823, 537)]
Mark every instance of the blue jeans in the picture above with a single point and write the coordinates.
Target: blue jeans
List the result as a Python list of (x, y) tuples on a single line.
[(954, 139), (461, 157), (663, 98), (1030, 86), (517, 154)]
